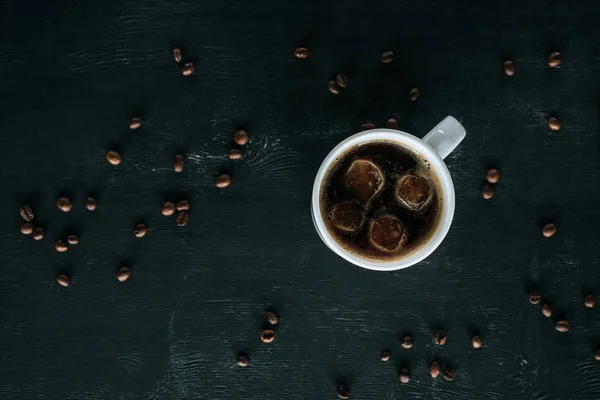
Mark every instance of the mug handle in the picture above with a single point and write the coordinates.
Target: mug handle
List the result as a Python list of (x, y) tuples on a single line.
[(445, 136)]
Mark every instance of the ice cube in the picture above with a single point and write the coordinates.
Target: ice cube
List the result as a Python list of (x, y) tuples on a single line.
[(364, 179), (414, 192), (348, 216), (386, 233)]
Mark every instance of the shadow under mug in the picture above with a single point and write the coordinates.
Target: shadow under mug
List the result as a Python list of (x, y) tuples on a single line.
[(434, 147)]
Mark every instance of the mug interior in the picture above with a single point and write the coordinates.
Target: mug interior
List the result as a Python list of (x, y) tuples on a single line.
[(420, 148)]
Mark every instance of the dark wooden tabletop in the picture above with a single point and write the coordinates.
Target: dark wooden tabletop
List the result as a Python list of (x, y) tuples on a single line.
[(73, 73)]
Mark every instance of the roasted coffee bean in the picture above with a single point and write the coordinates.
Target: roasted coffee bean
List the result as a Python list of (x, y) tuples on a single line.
[(407, 342), (413, 94), (391, 123), (597, 355), (64, 204), (341, 80), (61, 246), (223, 181), (589, 301), (38, 234), (546, 310), (476, 341), (234, 154), (385, 355), (449, 374), (387, 57), (301, 53), (404, 375), (72, 239), (487, 191), (182, 218), (334, 88), (113, 157), (123, 274), (27, 228), (535, 298), (434, 369), (63, 280), (343, 392), (267, 336), (241, 137), (549, 230), (177, 56), (272, 317), (440, 338), (135, 123), (554, 59), (183, 205), (167, 209), (26, 213), (140, 230), (562, 326), (90, 203), (242, 361), (509, 68), (554, 124), (365, 126), (187, 69), (492, 175), (178, 162)]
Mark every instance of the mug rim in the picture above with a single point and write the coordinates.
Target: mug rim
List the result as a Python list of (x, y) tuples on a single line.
[(420, 148)]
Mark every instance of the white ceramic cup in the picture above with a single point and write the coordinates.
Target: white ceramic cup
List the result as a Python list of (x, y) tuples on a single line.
[(434, 147)]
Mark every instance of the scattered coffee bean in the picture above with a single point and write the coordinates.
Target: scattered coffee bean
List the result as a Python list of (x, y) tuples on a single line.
[(341, 80), (487, 191), (404, 375), (387, 57), (241, 137), (562, 326), (546, 310), (413, 94), (492, 175), (61, 246), (38, 234), (549, 230), (301, 53), (167, 209), (434, 369), (440, 338), (367, 126), (535, 298), (178, 162), (272, 317), (63, 280), (123, 274), (90, 203), (234, 154), (509, 68), (391, 123), (183, 205), (182, 218), (113, 157), (334, 88), (242, 361), (449, 374), (589, 301), (554, 124), (135, 123), (385, 355), (407, 342), (72, 239), (177, 56), (267, 336), (597, 355), (27, 228), (343, 392), (187, 69), (140, 230), (64, 204), (223, 181), (476, 341), (554, 59), (26, 213)]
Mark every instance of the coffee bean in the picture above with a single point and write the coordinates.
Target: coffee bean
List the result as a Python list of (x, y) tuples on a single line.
[(546, 310), (38, 234), (167, 209), (27, 228), (385, 355), (589, 301), (365, 126), (242, 361), (391, 123), (178, 162), (413, 94), (535, 298), (509, 68), (492, 175), (434, 369), (267, 336), (135, 123), (90, 203), (234, 154), (343, 392), (183, 205), (223, 181), (113, 157), (177, 56), (562, 326), (140, 230), (26, 213), (449, 374), (407, 342), (187, 69), (301, 53), (404, 375), (64, 204), (182, 218), (72, 239), (63, 280), (554, 59), (549, 230), (241, 137), (487, 191), (387, 57), (341, 80), (272, 317), (61, 246), (476, 342), (597, 355), (440, 338), (554, 124), (123, 274), (334, 88)]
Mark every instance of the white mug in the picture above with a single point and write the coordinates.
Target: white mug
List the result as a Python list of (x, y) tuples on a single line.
[(434, 147)]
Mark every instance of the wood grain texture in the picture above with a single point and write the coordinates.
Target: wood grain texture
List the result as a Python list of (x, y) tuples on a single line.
[(73, 74)]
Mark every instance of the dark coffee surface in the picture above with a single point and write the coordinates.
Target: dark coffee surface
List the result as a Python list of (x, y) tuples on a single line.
[(72, 75)]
